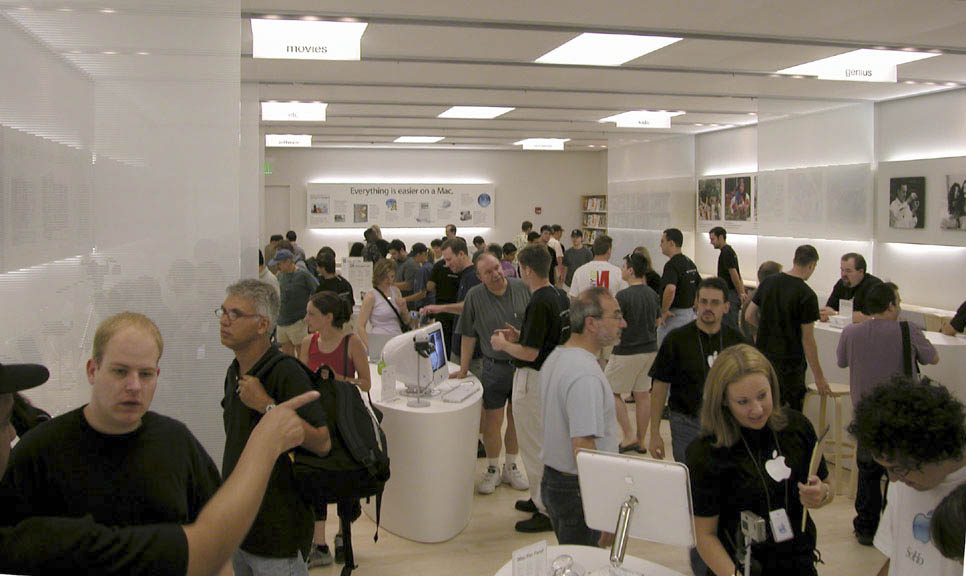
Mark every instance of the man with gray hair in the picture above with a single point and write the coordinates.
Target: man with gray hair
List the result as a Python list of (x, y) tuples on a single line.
[(578, 411), (281, 536)]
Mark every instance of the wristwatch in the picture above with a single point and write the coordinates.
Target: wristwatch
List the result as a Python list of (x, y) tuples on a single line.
[(269, 408)]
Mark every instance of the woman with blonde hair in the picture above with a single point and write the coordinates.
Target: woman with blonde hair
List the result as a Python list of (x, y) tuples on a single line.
[(651, 278), (754, 456), (383, 307)]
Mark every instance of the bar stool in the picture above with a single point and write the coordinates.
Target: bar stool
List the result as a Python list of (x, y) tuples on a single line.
[(842, 449)]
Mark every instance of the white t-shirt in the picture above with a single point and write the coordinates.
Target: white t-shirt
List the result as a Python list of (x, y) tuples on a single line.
[(903, 533), (557, 248), (597, 273)]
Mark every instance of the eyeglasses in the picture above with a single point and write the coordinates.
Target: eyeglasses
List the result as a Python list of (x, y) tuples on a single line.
[(900, 472), (233, 314), (617, 315)]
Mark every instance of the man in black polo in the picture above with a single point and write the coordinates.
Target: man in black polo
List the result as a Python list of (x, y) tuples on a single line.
[(785, 310), (546, 323), (444, 282), (728, 271), (854, 285), (489, 307), (679, 285), (281, 536)]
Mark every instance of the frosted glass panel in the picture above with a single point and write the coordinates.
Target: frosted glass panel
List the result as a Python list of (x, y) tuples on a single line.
[(119, 192)]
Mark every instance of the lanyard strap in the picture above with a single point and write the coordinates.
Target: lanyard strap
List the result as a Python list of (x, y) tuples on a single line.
[(761, 475)]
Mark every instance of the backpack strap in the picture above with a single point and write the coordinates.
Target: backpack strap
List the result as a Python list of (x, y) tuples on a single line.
[(345, 356), (906, 349), (402, 325)]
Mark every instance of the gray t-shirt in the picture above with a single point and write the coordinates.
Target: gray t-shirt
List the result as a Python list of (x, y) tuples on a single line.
[(406, 272), (577, 403), (484, 312), (295, 289), (640, 307), (575, 258)]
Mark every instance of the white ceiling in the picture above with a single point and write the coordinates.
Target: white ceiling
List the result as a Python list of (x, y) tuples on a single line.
[(419, 58)]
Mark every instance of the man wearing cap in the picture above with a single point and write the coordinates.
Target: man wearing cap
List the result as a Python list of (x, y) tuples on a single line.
[(296, 287), (80, 545), (113, 458)]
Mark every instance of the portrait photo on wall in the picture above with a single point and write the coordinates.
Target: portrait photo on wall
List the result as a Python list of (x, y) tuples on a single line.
[(907, 202), (709, 199), (738, 198), (955, 216)]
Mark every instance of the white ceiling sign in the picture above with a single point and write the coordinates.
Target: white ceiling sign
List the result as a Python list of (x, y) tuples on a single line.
[(642, 119), (293, 111), (859, 65), (307, 39), (542, 143), (288, 140)]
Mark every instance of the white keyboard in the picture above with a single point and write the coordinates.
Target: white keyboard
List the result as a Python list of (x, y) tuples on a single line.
[(460, 393)]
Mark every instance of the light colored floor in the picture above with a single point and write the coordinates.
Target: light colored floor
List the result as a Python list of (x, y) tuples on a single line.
[(487, 542)]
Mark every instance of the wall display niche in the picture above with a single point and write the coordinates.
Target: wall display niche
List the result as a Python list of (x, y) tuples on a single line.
[(955, 212), (907, 202)]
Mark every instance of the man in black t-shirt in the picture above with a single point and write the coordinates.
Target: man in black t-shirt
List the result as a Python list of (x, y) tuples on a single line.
[(682, 365), (679, 285), (575, 257), (80, 545), (854, 285), (546, 323), (445, 284), (329, 281), (461, 273), (957, 324), (728, 271), (280, 538), (785, 310), (113, 459)]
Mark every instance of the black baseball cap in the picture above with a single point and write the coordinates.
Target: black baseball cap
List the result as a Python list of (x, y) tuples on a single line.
[(16, 377)]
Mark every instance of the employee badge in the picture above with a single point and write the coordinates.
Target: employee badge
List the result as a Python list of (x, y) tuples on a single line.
[(781, 526)]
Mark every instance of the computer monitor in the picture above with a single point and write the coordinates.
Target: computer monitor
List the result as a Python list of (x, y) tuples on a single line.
[(663, 511), (416, 371)]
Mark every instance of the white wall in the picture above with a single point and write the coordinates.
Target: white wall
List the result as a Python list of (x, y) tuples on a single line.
[(553, 181)]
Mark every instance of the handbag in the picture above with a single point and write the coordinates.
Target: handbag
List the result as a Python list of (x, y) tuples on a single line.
[(402, 324)]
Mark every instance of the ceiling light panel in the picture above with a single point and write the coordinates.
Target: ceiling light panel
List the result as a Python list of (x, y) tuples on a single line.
[(542, 143), (643, 119), (418, 139), (475, 112), (306, 39), (591, 49), (293, 111), (859, 65), (288, 140)]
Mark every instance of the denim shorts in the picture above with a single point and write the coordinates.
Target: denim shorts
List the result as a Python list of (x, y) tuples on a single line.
[(497, 380)]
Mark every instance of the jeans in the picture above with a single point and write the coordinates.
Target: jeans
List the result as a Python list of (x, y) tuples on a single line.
[(734, 312), (869, 498), (246, 564), (684, 431), (561, 497), (681, 317), (791, 382)]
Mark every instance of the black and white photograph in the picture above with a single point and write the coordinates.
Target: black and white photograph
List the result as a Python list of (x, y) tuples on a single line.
[(955, 213), (907, 202)]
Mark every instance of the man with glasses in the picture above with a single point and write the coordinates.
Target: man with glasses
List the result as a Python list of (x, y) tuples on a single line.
[(578, 411), (281, 536), (917, 433)]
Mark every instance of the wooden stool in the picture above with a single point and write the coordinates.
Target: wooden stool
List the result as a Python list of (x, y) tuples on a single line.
[(841, 448)]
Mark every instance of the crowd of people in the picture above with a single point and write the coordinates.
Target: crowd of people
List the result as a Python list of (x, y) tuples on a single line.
[(561, 340)]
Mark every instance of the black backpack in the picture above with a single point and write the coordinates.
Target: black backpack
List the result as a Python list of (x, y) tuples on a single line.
[(357, 465)]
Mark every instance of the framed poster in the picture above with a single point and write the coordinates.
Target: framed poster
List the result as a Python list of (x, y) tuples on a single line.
[(709, 199), (954, 215), (359, 205), (907, 202)]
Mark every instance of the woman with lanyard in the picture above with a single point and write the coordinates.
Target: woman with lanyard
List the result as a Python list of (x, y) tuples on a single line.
[(328, 344), (753, 456)]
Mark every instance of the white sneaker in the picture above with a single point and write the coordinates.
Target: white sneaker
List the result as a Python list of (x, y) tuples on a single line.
[(514, 477), (489, 481)]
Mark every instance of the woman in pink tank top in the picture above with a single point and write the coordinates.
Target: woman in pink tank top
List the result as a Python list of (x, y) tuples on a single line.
[(325, 314)]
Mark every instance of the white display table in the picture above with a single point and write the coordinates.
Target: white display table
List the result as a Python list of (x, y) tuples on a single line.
[(594, 558), (432, 452)]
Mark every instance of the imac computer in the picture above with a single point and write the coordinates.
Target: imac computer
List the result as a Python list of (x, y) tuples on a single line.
[(632, 496), (418, 358)]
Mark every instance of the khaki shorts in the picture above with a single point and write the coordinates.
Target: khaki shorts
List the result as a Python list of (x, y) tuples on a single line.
[(292, 334), (629, 373)]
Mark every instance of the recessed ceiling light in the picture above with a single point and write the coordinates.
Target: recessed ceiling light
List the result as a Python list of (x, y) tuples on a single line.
[(109, 52), (909, 82), (307, 40), (935, 51), (542, 143), (107, 11), (288, 140), (864, 65), (271, 16), (293, 111), (699, 124), (715, 125), (475, 112), (142, 53), (74, 52), (418, 139), (589, 49), (591, 146), (929, 83), (951, 84), (310, 18), (65, 9), (752, 113)]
